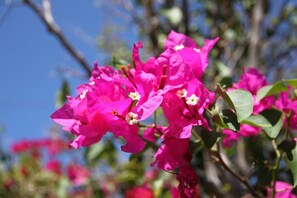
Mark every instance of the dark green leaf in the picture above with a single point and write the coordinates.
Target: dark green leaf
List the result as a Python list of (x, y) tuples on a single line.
[(276, 119), (209, 138), (230, 119), (287, 146), (293, 164)]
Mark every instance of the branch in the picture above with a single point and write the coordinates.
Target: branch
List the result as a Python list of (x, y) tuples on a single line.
[(253, 56), (186, 16), (48, 21), (244, 180)]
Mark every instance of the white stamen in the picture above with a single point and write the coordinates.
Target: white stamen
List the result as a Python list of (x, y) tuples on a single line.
[(179, 47), (192, 100), (182, 93), (83, 94), (131, 118), (92, 83), (197, 50), (134, 95)]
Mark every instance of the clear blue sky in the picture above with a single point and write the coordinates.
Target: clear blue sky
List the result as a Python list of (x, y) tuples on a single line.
[(29, 57)]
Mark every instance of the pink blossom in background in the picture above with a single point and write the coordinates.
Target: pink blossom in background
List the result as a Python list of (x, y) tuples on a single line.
[(288, 105), (54, 166), (77, 174), (139, 191), (283, 190)]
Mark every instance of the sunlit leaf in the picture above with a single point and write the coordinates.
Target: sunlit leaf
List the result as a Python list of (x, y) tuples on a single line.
[(276, 88), (242, 102), (257, 120)]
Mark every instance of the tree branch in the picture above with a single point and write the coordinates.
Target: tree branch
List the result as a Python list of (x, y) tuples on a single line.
[(48, 21), (253, 56), (186, 16)]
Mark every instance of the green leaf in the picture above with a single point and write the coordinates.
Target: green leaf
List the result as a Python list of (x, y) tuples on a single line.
[(94, 151), (287, 146), (242, 102), (209, 138), (292, 82), (257, 120), (293, 164), (62, 93), (269, 90), (276, 119), (230, 119)]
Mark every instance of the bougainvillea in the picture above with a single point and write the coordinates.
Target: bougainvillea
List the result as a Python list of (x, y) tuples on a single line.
[(126, 102)]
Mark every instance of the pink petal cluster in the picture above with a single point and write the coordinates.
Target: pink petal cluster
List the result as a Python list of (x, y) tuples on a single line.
[(52, 146), (77, 174), (288, 105), (117, 101), (139, 191), (251, 80), (54, 166)]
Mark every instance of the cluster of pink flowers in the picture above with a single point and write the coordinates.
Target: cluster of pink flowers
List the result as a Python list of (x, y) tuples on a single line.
[(119, 101), (52, 146)]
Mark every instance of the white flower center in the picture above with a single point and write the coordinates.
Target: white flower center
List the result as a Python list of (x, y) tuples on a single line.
[(134, 95), (182, 93), (197, 50), (192, 100), (83, 94), (179, 47), (131, 118)]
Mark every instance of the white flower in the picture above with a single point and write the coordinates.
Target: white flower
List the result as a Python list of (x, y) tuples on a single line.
[(182, 93), (131, 118), (134, 95), (197, 50), (192, 100), (83, 94), (179, 47)]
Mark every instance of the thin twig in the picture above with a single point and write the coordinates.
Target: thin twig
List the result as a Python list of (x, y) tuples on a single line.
[(244, 181), (47, 19)]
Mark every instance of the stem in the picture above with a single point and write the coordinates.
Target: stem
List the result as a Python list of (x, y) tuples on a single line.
[(242, 180), (155, 118), (54, 29)]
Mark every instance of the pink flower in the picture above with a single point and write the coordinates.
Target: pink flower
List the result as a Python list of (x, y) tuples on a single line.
[(139, 191), (283, 190), (196, 58), (77, 174), (289, 106), (53, 166), (170, 158), (107, 103), (20, 146), (188, 182)]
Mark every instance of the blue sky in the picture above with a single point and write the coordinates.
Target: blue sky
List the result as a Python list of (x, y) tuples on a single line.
[(30, 57)]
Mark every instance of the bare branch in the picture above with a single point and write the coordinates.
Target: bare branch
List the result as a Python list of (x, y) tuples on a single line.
[(255, 34), (186, 17), (47, 19)]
